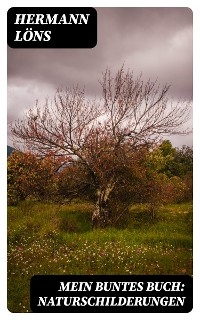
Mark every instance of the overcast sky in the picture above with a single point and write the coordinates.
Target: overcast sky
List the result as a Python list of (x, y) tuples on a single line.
[(154, 41)]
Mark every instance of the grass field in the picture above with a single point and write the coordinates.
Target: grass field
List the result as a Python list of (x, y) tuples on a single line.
[(53, 239)]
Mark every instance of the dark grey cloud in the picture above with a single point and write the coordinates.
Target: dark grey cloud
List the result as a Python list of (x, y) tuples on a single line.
[(154, 41)]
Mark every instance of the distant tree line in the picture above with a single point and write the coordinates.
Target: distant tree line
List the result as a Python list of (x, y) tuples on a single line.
[(154, 177)]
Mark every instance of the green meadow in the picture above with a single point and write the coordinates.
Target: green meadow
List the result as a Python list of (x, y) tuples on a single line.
[(58, 239)]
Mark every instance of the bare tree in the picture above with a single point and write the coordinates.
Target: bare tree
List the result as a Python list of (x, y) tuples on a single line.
[(104, 135)]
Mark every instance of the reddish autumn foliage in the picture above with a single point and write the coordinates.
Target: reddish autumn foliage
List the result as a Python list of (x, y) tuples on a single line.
[(30, 176)]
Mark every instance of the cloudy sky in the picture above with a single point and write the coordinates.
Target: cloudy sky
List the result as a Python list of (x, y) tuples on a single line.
[(154, 41)]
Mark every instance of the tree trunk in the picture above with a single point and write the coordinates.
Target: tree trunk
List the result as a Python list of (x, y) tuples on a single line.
[(101, 216)]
